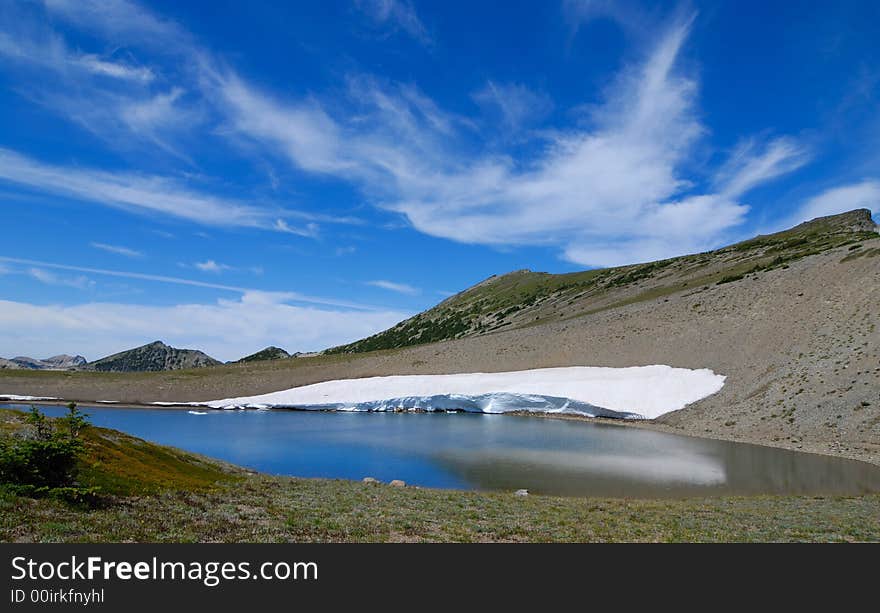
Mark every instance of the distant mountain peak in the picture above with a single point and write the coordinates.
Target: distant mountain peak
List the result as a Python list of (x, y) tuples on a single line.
[(153, 356), (66, 361), (269, 353)]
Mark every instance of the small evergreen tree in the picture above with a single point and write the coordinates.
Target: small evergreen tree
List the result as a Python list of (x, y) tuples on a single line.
[(75, 421), (43, 458)]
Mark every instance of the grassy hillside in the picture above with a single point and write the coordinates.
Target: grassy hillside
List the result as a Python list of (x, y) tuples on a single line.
[(123, 465), (160, 494), (525, 298)]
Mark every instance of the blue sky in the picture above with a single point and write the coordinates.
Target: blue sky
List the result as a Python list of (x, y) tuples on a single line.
[(304, 174)]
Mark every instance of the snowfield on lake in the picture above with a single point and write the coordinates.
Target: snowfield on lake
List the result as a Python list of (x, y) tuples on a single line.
[(635, 392)]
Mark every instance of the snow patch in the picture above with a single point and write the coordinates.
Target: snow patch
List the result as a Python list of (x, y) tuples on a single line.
[(16, 398), (638, 392)]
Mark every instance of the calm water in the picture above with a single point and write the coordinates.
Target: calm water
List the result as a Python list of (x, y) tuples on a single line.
[(490, 452)]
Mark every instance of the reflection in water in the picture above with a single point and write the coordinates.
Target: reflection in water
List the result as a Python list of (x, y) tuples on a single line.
[(491, 452)]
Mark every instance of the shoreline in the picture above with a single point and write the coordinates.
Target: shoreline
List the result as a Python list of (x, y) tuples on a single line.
[(646, 424)]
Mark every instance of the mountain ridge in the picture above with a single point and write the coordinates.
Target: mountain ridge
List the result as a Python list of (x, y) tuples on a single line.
[(524, 298)]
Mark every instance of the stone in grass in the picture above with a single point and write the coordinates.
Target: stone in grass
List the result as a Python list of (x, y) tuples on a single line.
[(398, 483), (521, 493), (370, 480)]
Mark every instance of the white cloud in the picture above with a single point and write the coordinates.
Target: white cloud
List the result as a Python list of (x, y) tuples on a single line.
[(47, 50), (751, 164), (129, 253), (150, 116), (121, 21), (516, 104), (290, 296), (610, 193), (49, 278), (117, 70), (212, 266), (310, 230), (226, 330), (400, 288), (302, 131), (397, 14), (113, 96), (625, 13), (610, 190), (138, 193)]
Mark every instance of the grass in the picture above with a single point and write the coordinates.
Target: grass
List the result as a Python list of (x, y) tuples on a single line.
[(160, 494), (259, 508)]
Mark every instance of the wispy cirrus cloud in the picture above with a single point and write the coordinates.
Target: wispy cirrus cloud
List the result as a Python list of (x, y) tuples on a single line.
[(116, 96), (118, 250), (396, 15), (138, 193), (50, 278), (302, 131), (753, 163), (627, 13), (617, 181), (515, 104), (309, 230), (246, 291), (123, 22), (117, 70), (391, 286), (30, 45), (214, 267), (616, 187)]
